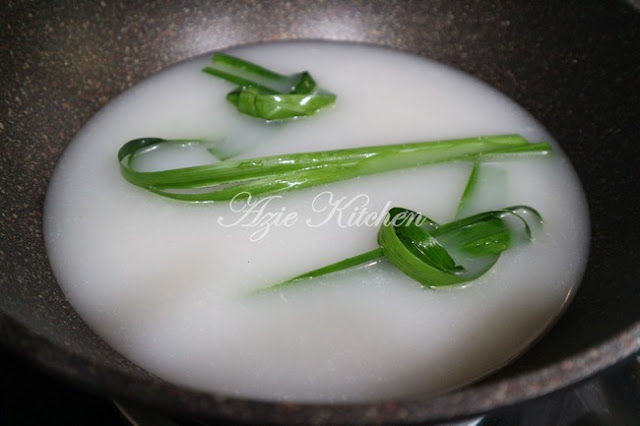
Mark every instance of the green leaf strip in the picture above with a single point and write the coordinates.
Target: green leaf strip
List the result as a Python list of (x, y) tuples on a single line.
[(486, 188), (457, 252), (266, 94), (269, 175), (369, 258), (437, 255)]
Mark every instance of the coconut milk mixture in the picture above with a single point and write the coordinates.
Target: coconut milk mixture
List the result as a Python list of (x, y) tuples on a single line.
[(165, 282)]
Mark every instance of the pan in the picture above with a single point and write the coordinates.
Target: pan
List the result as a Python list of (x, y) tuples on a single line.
[(573, 65)]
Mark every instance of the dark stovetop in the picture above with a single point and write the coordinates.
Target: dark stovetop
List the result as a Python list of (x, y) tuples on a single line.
[(30, 396)]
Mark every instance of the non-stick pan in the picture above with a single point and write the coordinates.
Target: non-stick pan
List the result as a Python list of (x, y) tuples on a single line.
[(573, 64)]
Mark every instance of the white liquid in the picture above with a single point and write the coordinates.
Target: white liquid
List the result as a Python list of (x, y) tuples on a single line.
[(162, 281)]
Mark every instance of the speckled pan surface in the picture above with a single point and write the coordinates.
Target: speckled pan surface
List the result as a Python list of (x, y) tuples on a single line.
[(574, 65)]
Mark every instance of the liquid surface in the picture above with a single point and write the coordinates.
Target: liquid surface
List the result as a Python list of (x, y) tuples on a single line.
[(163, 281)]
